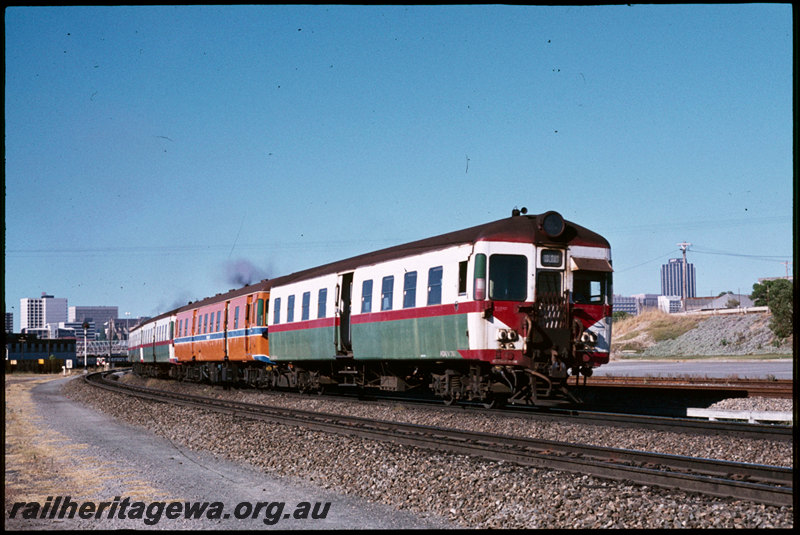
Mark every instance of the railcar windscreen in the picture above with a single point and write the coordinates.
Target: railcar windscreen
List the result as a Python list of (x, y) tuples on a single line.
[(507, 277)]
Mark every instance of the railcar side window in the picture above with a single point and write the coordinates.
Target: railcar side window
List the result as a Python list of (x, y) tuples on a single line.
[(236, 318), (219, 314), (387, 289), (290, 310), (205, 323), (259, 312), (277, 319), (306, 306), (508, 275), (435, 285), (462, 278), (366, 297), (410, 289), (323, 296)]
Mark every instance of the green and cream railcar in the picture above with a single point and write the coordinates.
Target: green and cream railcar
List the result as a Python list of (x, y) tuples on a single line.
[(153, 343)]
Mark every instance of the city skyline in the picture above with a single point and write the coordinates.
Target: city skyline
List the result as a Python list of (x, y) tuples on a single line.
[(692, 294)]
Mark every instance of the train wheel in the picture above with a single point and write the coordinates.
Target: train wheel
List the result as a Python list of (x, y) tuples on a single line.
[(449, 400)]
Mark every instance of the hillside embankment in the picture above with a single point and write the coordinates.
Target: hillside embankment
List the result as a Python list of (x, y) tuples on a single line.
[(657, 334)]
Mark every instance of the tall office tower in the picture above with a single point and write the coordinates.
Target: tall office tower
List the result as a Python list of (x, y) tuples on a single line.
[(9, 322), (672, 278), (100, 315), (37, 313)]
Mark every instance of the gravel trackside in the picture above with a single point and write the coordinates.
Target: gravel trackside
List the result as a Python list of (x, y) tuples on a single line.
[(467, 492)]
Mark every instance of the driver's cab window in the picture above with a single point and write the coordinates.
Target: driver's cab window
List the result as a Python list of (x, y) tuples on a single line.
[(590, 287)]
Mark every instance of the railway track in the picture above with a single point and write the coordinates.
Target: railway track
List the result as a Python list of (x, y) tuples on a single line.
[(778, 388), (761, 431), (759, 483)]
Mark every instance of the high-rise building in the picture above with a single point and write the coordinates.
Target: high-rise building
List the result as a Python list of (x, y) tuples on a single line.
[(37, 313), (99, 315), (672, 279), (9, 322)]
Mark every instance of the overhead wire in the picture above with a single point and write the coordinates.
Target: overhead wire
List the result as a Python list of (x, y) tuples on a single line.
[(769, 258), (659, 257)]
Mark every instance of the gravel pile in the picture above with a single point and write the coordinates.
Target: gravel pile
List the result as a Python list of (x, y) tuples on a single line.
[(471, 492), (732, 334), (754, 404)]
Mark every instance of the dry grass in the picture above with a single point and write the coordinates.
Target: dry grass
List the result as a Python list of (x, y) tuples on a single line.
[(636, 333), (40, 462), (33, 465)]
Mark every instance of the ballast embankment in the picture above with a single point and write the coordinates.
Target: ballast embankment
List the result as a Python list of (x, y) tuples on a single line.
[(657, 334)]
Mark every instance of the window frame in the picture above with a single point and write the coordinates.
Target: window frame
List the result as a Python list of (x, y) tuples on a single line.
[(410, 289), (322, 303), (387, 305), (366, 296), (440, 271), (276, 319), (290, 309), (305, 306)]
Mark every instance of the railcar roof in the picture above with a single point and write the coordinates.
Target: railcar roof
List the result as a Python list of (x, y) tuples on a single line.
[(519, 228), (522, 228)]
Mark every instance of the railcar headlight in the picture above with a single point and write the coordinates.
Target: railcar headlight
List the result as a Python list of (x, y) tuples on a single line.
[(552, 224), (589, 338)]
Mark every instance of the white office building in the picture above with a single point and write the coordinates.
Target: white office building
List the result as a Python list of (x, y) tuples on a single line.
[(37, 313)]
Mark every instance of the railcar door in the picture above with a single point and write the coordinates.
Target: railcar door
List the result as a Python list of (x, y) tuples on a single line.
[(247, 323), (552, 308), (225, 329), (344, 345)]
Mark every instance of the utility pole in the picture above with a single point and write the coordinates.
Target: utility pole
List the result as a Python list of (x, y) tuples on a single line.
[(110, 339), (85, 328), (684, 246)]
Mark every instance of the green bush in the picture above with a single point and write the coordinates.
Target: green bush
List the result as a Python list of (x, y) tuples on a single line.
[(619, 315), (778, 295)]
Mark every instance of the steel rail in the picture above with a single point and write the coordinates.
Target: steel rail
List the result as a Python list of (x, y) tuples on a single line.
[(778, 432), (759, 483)]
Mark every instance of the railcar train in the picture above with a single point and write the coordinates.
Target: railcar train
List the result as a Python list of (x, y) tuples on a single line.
[(500, 312)]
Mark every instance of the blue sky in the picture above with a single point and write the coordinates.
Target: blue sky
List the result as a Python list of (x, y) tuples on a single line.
[(156, 155)]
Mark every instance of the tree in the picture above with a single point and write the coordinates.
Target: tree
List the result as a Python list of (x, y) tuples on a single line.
[(619, 315), (778, 295)]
